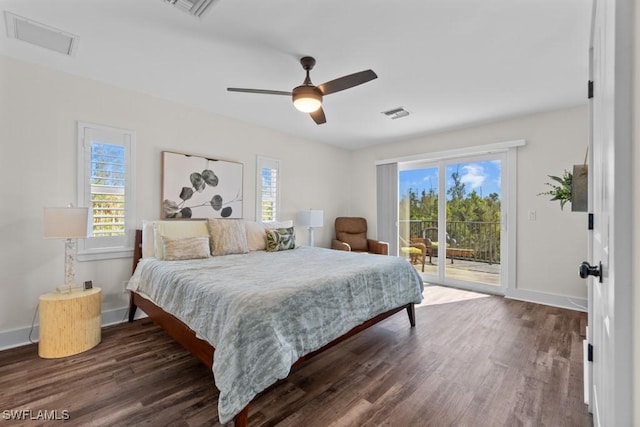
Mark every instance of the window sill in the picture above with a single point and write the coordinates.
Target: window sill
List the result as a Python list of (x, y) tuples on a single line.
[(111, 253)]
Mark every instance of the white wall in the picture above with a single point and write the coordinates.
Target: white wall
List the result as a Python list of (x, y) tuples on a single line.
[(39, 108), (636, 215), (38, 115), (549, 249)]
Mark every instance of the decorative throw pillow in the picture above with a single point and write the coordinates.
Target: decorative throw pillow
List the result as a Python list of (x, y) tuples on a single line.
[(185, 248), (177, 229), (228, 236), (256, 237), (281, 239)]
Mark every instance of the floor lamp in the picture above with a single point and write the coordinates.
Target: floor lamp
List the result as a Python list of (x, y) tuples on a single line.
[(66, 223), (310, 219)]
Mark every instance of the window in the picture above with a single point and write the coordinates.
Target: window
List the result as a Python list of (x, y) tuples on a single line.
[(268, 190), (105, 185)]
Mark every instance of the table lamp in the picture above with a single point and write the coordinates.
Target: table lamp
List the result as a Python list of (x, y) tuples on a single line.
[(310, 219), (66, 223)]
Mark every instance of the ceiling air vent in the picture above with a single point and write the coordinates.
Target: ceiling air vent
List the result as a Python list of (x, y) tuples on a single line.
[(192, 7), (396, 113), (39, 34)]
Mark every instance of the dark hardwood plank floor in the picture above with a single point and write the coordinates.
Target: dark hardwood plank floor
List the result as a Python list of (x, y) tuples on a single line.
[(477, 362)]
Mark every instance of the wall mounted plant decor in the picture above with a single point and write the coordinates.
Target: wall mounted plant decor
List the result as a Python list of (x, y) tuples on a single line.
[(560, 189), (199, 187), (580, 189), (570, 187)]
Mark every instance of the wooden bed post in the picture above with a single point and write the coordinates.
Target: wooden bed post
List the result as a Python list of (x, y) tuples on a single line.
[(411, 311), (132, 308), (242, 419), (137, 255)]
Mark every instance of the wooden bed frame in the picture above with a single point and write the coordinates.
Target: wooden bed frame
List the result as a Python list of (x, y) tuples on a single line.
[(201, 349)]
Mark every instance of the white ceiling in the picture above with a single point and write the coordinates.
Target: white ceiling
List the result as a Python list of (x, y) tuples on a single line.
[(451, 63)]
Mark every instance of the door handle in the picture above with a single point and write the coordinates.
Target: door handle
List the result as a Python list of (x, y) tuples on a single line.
[(587, 269)]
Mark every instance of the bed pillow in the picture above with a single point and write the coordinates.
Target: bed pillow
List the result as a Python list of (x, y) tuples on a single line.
[(256, 236), (177, 229), (278, 224), (228, 236), (148, 241), (281, 239), (186, 248)]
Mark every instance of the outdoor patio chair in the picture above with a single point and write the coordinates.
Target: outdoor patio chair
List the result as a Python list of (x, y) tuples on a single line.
[(416, 249), (430, 236)]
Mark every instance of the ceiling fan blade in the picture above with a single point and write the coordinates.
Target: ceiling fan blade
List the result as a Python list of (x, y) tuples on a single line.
[(346, 82), (262, 91), (318, 116)]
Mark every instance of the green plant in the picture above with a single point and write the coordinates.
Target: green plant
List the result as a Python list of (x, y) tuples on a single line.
[(560, 191)]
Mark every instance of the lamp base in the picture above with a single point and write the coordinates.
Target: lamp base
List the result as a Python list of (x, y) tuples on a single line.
[(311, 242)]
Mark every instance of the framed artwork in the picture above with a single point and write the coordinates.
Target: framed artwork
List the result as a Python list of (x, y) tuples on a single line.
[(199, 187)]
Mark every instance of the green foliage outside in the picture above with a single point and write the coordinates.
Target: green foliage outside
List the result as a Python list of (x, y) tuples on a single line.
[(473, 221), (107, 189)]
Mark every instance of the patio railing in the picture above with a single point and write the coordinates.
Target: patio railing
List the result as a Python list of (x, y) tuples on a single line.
[(482, 237)]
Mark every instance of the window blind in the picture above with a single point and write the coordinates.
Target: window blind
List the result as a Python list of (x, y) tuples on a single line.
[(268, 190), (108, 183), (387, 205)]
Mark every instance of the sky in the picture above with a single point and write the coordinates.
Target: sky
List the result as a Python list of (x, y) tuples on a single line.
[(483, 177)]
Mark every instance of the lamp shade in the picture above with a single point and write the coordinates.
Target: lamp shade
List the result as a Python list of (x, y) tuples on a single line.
[(310, 218), (65, 223)]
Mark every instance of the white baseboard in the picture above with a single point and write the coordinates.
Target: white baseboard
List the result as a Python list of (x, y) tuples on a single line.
[(20, 337), (562, 301)]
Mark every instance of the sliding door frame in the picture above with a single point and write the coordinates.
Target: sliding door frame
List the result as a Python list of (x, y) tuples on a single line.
[(507, 153)]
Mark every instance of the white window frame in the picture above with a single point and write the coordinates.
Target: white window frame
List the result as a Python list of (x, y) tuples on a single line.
[(271, 163), (97, 248)]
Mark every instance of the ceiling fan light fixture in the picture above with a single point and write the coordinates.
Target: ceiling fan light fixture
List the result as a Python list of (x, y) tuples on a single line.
[(307, 98)]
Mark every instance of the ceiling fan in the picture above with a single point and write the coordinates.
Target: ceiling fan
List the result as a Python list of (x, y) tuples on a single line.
[(307, 97)]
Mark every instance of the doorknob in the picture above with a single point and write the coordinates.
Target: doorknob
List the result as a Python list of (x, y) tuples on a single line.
[(587, 269)]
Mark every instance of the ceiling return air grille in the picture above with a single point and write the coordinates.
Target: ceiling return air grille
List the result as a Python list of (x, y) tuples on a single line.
[(192, 7), (33, 32)]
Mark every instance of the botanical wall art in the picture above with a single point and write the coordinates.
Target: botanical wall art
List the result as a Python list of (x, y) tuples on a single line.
[(199, 187)]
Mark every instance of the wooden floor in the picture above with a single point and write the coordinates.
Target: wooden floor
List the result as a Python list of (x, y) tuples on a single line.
[(470, 361)]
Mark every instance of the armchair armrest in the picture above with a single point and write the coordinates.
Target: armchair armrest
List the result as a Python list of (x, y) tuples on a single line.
[(378, 247), (339, 245)]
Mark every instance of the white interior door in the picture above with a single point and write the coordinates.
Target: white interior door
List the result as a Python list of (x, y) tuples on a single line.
[(610, 311)]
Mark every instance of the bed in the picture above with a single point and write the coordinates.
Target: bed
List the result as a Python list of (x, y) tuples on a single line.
[(253, 315)]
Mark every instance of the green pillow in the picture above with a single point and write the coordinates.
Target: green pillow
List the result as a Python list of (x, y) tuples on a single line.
[(281, 239)]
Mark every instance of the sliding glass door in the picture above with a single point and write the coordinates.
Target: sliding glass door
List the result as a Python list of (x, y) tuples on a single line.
[(451, 216), (418, 217)]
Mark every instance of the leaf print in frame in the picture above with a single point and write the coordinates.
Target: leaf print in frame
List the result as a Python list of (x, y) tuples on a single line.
[(200, 187)]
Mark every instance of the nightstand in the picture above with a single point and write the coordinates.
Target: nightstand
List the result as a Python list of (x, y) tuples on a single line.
[(70, 323)]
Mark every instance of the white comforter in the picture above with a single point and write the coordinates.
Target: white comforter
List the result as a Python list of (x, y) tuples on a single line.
[(263, 310)]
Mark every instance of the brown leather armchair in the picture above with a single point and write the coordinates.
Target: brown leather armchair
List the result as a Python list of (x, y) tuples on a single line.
[(351, 235)]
